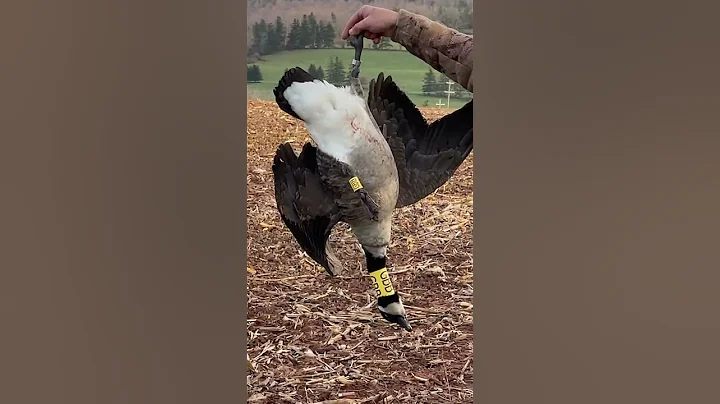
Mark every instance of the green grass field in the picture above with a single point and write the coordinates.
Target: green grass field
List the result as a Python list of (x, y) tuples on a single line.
[(407, 70)]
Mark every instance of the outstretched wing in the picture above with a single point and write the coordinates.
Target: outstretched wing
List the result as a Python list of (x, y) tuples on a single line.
[(426, 156), (305, 207)]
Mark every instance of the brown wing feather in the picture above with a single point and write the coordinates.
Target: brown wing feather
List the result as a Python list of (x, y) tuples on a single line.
[(305, 207), (426, 156)]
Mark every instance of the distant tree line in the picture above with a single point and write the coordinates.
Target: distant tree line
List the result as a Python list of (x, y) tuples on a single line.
[(307, 33), (334, 73), (316, 72)]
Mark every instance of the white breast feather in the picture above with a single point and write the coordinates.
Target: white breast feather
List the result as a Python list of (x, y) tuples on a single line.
[(328, 112)]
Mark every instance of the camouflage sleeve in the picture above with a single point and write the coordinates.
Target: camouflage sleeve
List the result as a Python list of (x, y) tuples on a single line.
[(445, 49)]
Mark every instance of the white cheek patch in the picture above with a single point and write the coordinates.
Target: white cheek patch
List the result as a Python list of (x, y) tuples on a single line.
[(396, 309), (377, 252)]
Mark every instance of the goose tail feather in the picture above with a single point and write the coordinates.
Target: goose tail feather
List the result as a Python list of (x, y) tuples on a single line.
[(294, 75)]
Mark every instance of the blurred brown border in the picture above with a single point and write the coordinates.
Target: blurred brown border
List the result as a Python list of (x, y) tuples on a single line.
[(123, 202), (598, 163)]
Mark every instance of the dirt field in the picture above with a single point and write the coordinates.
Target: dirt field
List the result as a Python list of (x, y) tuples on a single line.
[(317, 339)]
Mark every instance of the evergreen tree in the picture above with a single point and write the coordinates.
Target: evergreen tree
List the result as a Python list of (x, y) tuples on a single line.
[(320, 35), (305, 38), (273, 41), (336, 72), (313, 32), (254, 75), (260, 38), (429, 83), (340, 71), (327, 35), (330, 69), (293, 38), (280, 33), (319, 73), (255, 45), (312, 70)]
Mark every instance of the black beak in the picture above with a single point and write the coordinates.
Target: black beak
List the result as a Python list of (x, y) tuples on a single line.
[(402, 322), (399, 320)]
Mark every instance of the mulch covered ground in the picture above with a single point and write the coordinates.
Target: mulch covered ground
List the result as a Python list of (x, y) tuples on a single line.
[(317, 339)]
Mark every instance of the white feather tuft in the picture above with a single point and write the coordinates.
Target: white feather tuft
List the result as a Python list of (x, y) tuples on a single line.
[(328, 112)]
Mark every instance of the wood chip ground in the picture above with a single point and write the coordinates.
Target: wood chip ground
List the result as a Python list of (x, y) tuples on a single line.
[(315, 339)]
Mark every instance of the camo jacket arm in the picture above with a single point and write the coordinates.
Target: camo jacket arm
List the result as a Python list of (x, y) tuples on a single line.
[(445, 49)]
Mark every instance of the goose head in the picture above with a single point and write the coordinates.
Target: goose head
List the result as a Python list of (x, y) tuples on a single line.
[(394, 312)]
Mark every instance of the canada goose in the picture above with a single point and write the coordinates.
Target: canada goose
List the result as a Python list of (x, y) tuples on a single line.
[(358, 173)]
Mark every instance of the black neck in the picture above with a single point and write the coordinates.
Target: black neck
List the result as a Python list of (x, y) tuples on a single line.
[(374, 263)]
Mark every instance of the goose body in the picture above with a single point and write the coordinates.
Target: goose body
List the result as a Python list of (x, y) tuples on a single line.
[(397, 163)]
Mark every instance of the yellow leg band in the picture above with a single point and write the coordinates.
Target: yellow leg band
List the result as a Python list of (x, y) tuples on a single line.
[(355, 184), (381, 282)]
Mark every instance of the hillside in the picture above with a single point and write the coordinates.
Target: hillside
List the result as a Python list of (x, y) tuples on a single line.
[(288, 33), (406, 70)]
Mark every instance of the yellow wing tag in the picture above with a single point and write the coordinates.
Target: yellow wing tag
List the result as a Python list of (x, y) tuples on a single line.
[(355, 184), (381, 282)]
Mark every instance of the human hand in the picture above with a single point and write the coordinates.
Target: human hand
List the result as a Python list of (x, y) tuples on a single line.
[(375, 22)]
